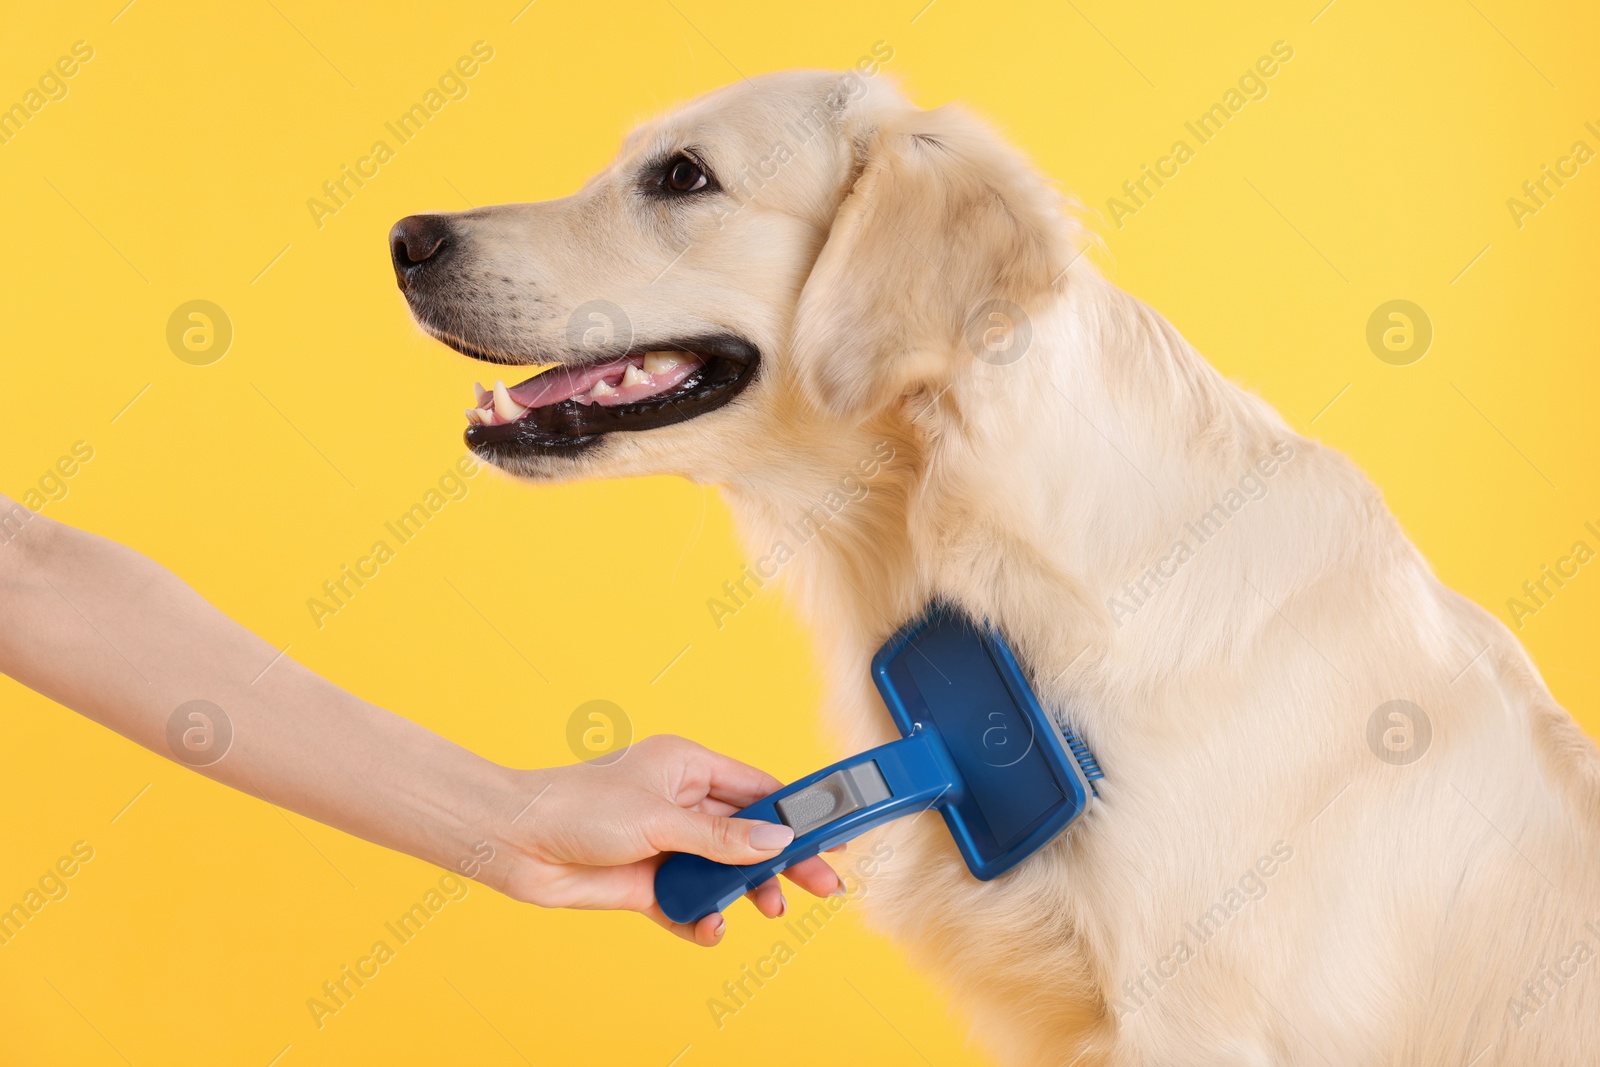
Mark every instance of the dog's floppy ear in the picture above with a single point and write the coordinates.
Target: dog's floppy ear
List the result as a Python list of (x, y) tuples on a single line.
[(943, 220)]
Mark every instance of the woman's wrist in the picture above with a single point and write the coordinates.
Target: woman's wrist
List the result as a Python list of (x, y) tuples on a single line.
[(494, 845)]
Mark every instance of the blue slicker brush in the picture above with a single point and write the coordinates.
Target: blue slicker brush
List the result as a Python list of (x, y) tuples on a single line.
[(976, 745)]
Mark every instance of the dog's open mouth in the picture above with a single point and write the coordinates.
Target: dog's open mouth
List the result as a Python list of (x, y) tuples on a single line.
[(570, 405)]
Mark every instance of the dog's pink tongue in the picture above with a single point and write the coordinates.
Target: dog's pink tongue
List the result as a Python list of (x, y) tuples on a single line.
[(564, 383), (621, 381)]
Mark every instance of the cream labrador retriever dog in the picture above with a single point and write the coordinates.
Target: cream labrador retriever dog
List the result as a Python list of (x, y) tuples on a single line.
[(1343, 820)]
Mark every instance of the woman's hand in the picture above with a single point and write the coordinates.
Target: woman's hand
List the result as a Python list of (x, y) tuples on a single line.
[(593, 834)]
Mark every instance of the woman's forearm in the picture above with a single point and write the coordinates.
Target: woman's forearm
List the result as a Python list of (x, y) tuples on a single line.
[(106, 631)]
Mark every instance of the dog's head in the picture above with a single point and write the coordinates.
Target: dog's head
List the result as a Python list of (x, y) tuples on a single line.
[(776, 262)]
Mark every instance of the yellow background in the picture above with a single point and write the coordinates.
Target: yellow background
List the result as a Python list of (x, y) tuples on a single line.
[(178, 167)]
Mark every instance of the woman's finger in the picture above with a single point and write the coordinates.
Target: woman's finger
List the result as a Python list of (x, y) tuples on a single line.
[(731, 781), (815, 877), (768, 899), (707, 933)]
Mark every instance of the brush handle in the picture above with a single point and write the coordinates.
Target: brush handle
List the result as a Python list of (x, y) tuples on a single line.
[(915, 772)]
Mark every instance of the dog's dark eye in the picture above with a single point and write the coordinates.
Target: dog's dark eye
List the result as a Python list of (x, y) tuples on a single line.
[(684, 175)]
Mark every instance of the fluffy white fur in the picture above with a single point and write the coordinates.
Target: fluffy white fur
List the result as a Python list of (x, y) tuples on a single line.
[(1229, 706)]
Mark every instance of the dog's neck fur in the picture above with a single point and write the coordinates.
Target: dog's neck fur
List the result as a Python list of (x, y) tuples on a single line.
[(1112, 397)]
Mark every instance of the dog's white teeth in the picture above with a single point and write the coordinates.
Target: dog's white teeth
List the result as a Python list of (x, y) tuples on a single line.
[(657, 362), (601, 389), (482, 394), (634, 376), (475, 416), (504, 406)]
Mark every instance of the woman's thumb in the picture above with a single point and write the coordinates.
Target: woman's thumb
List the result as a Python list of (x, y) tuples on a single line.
[(724, 839)]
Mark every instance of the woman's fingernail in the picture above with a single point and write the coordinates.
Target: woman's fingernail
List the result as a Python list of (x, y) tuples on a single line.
[(770, 836), (783, 905), (717, 927), (840, 890)]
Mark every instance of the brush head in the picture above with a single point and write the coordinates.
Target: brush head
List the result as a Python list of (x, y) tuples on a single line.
[(1014, 783)]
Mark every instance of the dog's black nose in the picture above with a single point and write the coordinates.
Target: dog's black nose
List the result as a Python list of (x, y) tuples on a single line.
[(415, 241)]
